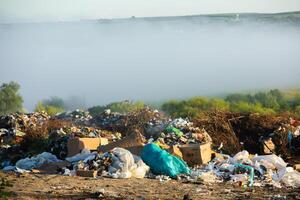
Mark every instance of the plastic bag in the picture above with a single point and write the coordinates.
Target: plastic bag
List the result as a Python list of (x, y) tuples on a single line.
[(36, 161), (85, 153), (270, 161), (242, 157), (291, 178), (126, 165), (141, 168), (171, 129), (163, 163)]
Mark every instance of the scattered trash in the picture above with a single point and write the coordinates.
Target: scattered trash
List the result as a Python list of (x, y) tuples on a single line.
[(109, 145)]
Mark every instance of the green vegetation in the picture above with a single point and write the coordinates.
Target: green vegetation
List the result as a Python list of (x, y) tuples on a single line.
[(51, 106), (271, 102), (4, 183), (121, 107), (193, 107), (10, 100)]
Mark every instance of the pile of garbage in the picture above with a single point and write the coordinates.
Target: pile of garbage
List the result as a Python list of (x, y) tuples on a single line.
[(176, 132), (253, 132), (117, 163), (78, 117), (126, 123), (248, 171), (21, 121), (218, 126), (145, 143)]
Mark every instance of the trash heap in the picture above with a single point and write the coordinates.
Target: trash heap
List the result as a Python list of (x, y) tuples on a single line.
[(78, 117), (145, 143), (117, 163), (177, 132), (247, 171), (21, 121), (13, 130), (126, 123)]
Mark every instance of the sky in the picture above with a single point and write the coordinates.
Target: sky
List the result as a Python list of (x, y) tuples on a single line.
[(70, 10), (96, 63)]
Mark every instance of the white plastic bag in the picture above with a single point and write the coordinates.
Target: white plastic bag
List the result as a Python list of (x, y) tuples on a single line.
[(85, 153), (242, 157), (126, 165), (270, 161), (36, 161)]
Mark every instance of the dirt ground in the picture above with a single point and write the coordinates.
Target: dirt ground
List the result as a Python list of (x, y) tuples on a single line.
[(38, 186)]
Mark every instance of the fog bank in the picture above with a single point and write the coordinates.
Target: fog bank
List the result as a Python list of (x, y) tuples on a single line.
[(148, 59)]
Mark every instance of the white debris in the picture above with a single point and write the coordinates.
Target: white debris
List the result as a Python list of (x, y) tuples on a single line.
[(36, 161)]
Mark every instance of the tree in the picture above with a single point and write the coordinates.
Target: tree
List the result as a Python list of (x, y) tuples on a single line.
[(10, 100), (55, 102), (235, 98), (51, 106), (218, 104)]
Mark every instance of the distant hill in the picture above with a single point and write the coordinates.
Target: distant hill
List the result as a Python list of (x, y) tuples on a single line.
[(286, 17)]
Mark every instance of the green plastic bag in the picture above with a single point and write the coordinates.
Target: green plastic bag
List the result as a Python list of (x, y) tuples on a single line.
[(163, 163), (171, 129)]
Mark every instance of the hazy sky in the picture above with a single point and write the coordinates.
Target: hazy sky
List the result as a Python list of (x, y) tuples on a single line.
[(153, 60), (54, 10)]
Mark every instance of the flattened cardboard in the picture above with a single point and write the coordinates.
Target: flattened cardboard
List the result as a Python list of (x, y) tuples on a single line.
[(174, 150), (75, 145), (133, 143)]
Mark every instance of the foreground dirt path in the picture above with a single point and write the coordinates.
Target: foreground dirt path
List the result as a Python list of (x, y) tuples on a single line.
[(37, 186)]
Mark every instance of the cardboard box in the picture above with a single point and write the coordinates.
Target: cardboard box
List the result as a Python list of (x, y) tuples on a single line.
[(174, 150), (133, 143), (297, 167), (87, 173), (196, 154), (75, 145)]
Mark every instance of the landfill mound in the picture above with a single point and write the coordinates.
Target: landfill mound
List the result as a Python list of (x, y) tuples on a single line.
[(126, 123), (253, 128), (218, 126), (214, 148)]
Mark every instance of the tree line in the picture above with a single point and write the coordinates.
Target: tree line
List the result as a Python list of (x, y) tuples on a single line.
[(269, 102)]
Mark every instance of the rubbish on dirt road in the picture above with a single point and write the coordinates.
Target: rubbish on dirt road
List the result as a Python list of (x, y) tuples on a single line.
[(258, 170), (133, 143), (196, 154), (75, 145), (36, 161), (163, 163), (163, 178), (240, 168)]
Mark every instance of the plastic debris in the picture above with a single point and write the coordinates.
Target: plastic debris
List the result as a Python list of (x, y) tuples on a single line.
[(36, 161), (163, 163)]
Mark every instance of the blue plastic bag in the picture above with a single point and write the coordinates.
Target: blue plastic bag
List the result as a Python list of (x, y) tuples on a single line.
[(163, 163)]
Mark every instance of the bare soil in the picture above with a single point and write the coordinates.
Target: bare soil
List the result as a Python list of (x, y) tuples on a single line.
[(38, 186)]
